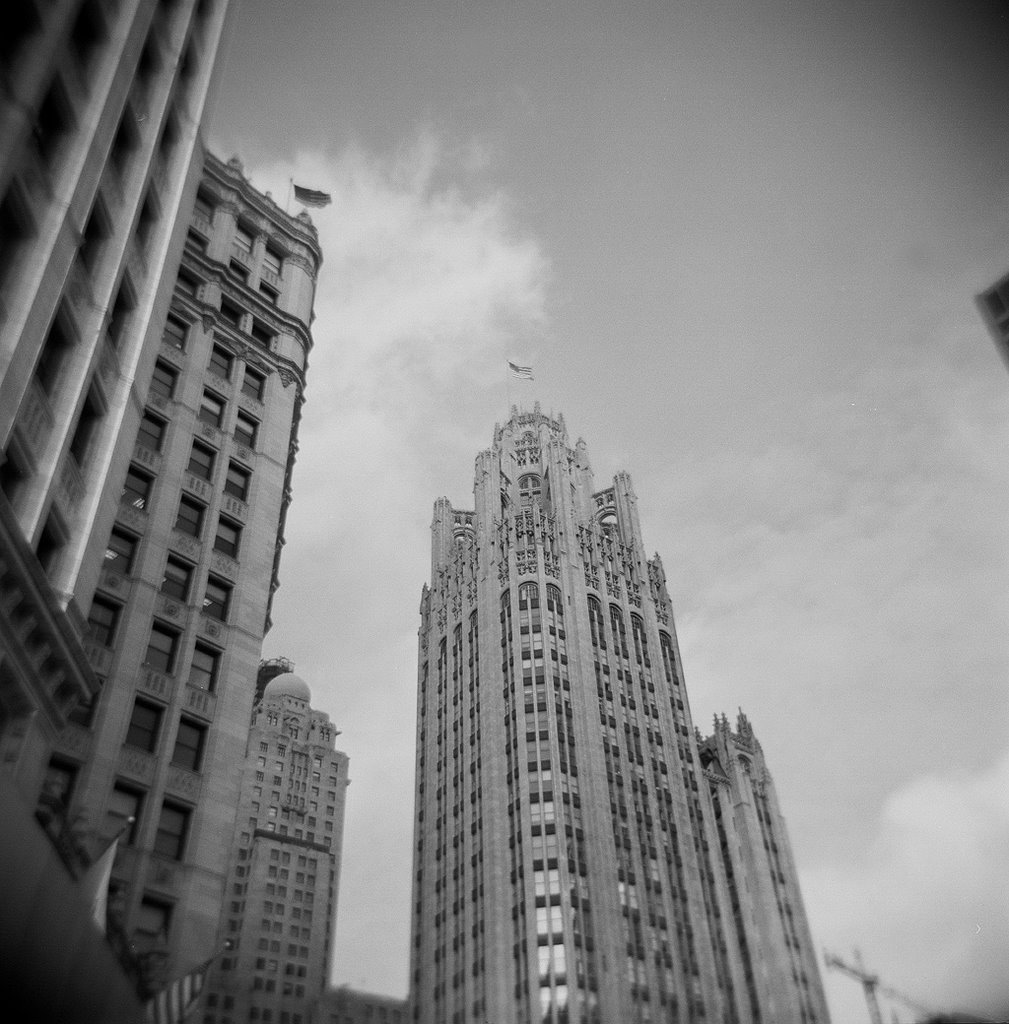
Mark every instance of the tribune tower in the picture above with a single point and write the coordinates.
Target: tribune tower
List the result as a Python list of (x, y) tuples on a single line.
[(582, 854)]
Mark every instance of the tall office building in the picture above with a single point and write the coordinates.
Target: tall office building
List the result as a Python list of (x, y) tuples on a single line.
[(284, 865), (581, 853), (99, 119)]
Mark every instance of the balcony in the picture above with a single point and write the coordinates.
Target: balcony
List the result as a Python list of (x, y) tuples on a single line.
[(136, 764), (235, 507), (157, 684), (202, 702), (147, 457), (183, 782)]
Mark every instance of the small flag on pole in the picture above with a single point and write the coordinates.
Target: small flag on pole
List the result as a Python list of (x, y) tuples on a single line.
[(311, 197), (95, 883), (174, 1002), (520, 372)]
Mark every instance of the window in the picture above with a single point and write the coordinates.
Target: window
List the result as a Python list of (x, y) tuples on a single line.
[(237, 270), (237, 482), (272, 260), (96, 234), (187, 283), (145, 723), (170, 839), (216, 599), (87, 426), (253, 384), (211, 409), (196, 241), (102, 621), (204, 207), (228, 536), (120, 552), (121, 309), (164, 380), (154, 918), (152, 432), (53, 354), (177, 579), (83, 712), (136, 488), (162, 648), (188, 751), (262, 334), (52, 124), (124, 803), (201, 461), (220, 362), (189, 519), (243, 239), (205, 667), (175, 333), (231, 313), (269, 293), (58, 783), (246, 429)]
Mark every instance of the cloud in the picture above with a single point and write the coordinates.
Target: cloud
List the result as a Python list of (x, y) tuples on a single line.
[(429, 282), (929, 904)]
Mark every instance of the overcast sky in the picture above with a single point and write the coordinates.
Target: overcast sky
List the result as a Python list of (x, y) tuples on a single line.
[(739, 244)]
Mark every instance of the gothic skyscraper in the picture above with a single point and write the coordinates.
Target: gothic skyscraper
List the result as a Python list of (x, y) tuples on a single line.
[(582, 854)]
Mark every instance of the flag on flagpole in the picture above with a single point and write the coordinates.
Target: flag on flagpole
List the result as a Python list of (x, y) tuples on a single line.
[(174, 1002), (95, 883), (520, 372), (311, 197)]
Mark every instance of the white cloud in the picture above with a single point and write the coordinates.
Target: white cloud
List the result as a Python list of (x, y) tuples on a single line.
[(929, 903), (427, 285)]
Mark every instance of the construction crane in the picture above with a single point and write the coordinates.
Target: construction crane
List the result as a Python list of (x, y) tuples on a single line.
[(871, 985)]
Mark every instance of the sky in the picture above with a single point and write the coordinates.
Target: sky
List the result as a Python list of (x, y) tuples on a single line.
[(739, 244)]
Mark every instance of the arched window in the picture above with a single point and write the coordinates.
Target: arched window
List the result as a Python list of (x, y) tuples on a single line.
[(640, 640), (596, 624), (608, 522), (619, 636), (530, 489)]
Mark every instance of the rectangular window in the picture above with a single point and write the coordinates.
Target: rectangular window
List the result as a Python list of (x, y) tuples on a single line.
[(175, 333), (87, 427), (211, 409), (246, 429), (164, 380), (243, 239), (188, 751), (124, 803), (220, 362), (238, 271), (152, 432), (187, 283), (136, 488), (262, 334), (237, 482), (161, 649), (189, 519), (177, 579), (205, 667), (253, 384), (272, 260), (51, 358), (203, 207), (216, 599), (170, 840), (228, 536), (145, 724), (102, 621), (231, 313), (269, 293), (201, 461)]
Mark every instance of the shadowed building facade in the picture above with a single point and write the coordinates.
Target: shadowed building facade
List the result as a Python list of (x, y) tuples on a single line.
[(284, 866), (581, 853)]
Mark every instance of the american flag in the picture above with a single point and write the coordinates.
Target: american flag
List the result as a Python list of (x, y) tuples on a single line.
[(520, 372), (311, 197), (174, 1002)]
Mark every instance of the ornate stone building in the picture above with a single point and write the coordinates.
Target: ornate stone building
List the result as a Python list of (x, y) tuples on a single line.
[(581, 853), (100, 111), (284, 867), (183, 552)]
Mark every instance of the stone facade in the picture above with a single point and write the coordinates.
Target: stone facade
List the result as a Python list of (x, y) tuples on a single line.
[(567, 847), (284, 867)]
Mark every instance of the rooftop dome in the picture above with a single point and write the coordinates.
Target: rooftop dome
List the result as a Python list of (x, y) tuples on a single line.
[(287, 684)]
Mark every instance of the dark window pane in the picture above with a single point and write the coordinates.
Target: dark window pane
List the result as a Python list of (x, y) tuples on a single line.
[(145, 723), (237, 482), (220, 362), (161, 649), (102, 621), (163, 381), (211, 409), (177, 579), (190, 517), (120, 551), (151, 433), (216, 598), (188, 745), (175, 333), (124, 803), (246, 429), (201, 461), (136, 489), (228, 536), (204, 668), (171, 836)]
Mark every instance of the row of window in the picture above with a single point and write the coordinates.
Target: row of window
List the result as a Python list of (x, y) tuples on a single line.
[(145, 730), (189, 284)]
